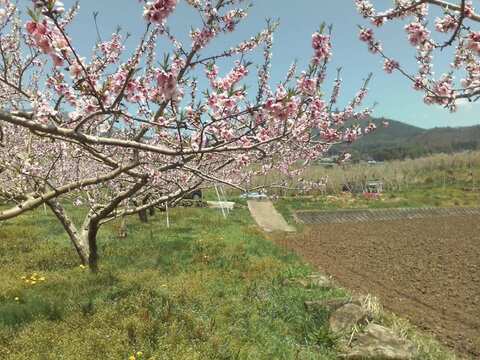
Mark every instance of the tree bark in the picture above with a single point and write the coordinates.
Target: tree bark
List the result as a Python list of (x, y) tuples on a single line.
[(91, 231), (143, 216), (84, 241), (77, 238), (123, 231)]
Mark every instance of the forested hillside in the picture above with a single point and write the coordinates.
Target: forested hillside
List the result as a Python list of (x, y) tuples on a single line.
[(400, 141)]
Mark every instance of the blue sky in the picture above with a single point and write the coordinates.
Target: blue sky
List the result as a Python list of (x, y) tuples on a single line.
[(298, 19)]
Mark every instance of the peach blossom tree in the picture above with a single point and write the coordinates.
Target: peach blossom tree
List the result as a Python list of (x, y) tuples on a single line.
[(126, 129)]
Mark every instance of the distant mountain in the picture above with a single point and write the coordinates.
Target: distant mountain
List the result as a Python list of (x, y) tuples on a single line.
[(400, 141)]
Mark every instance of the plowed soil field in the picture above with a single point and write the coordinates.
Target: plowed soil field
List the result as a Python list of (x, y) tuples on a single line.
[(426, 270)]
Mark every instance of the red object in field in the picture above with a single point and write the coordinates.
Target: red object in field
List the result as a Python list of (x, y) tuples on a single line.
[(371, 195)]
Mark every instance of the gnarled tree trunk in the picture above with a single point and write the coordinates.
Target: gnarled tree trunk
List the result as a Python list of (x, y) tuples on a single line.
[(78, 238), (85, 240)]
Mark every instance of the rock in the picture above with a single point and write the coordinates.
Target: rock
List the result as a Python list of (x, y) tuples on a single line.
[(315, 280), (319, 280), (327, 304), (346, 317), (378, 342)]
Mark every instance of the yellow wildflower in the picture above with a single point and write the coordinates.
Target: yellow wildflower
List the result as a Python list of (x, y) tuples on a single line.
[(132, 357), (82, 266), (17, 298), (33, 282), (42, 278), (139, 354), (23, 277)]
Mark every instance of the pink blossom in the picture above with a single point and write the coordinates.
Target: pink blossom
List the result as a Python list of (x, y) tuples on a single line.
[(474, 42), (306, 85), (365, 8), (321, 46), (212, 73), (390, 65), (157, 11), (370, 128), (167, 85), (417, 33), (443, 91), (35, 28), (44, 44), (378, 21), (448, 23), (225, 84), (201, 38), (366, 35), (419, 83), (75, 71), (57, 59), (469, 10)]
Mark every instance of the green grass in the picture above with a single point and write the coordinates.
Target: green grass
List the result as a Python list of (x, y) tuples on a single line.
[(415, 196), (207, 288)]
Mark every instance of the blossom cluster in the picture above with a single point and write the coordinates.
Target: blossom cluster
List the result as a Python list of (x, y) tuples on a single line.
[(322, 47), (48, 39), (390, 65), (440, 90), (417, 33), (157, 11)]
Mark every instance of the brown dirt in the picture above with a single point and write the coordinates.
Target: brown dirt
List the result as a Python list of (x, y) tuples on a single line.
[(426, 270)]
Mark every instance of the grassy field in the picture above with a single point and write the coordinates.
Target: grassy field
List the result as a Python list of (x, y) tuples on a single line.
[(204, 289), (414, 196), (461, 170)]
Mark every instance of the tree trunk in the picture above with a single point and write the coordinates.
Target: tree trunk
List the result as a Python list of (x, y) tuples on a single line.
[(143, 216), (84, 241), (123, 231), (78, 239), (92, 243)]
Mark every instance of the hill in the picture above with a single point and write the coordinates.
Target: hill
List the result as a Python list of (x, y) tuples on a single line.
[(400, 141)]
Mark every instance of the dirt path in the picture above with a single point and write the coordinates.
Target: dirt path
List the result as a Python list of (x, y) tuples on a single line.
[(267, 217), (426, 270)]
